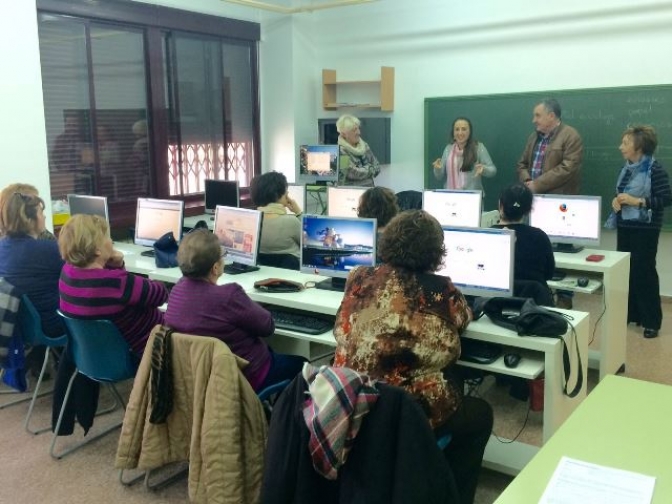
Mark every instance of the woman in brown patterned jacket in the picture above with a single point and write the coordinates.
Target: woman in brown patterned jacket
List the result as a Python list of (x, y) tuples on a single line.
[(400, 323)]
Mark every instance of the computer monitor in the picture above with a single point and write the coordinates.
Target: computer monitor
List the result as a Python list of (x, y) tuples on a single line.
[(87, 204), (332, 246), (221, 192), (571, 222), (479, 261), (239, 231), (343, 201), (454, 207), (318, 163), (155, 217), (298, 193)]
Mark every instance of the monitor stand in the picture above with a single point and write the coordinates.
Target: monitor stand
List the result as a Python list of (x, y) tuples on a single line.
[(332, 284), (238, 268), (566, 248)]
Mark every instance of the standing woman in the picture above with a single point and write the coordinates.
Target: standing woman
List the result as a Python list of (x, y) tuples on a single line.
[(642, 192), (357, 164), (465, 160)]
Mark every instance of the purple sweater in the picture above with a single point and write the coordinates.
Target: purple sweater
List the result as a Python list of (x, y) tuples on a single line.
[(130, 301), (224, 312)]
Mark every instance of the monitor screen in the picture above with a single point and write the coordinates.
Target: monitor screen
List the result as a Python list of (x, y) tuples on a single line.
[(238, 230), (479, 261), (571, 222), (221, 192), (155, 217), (343, 201), (332, 246), (318, 163), (298, 194), (90, 205), (453, 207)]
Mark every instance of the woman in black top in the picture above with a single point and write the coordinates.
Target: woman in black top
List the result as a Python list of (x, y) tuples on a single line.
[(642, 192), (533, 255)]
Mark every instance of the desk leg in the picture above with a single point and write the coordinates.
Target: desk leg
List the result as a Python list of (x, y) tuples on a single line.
[(614, 332)]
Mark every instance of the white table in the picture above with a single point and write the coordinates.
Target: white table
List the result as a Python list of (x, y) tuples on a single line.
[(614, 271)]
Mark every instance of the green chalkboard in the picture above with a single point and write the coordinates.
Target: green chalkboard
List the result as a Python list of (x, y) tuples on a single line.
[(503, 122)]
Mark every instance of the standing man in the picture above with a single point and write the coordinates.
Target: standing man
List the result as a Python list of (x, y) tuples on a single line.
[(551, 161)]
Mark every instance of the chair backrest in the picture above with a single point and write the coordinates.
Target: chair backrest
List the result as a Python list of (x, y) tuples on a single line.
[(99, 350), (286, 261), (532, 289), (409, 200), (30, 323)]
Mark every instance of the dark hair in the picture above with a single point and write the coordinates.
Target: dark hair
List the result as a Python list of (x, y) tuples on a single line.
[(413, 240), (268, 188), (378, 203), (470, 148), (199, 251), (515, 202), (551, 105), (644, 138)]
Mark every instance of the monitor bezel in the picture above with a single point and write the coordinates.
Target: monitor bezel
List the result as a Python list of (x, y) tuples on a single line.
[(232, 255), (477, 291), (312, 270), (301, 203), (336, 189), (149, 242), (210, 210), (106, 215), (476, 223), (308, 177), (583, 241)]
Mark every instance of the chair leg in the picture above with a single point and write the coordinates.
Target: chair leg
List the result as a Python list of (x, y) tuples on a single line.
[(12, 392), (157, 485), (26, 423), (133, 480), (91, 439)]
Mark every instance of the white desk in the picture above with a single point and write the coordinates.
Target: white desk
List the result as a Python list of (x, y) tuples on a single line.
[(133, 261), (624, 423), (615, 272)]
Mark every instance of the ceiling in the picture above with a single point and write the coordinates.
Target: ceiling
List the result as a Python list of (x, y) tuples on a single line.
[(309, 6)]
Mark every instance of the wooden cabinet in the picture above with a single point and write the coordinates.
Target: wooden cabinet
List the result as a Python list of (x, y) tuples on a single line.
[(385, 87)]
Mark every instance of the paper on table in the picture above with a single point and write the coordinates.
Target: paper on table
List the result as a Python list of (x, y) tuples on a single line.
[(575, 481)]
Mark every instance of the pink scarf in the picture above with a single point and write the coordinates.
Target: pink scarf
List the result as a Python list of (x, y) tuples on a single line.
[(455, 178)]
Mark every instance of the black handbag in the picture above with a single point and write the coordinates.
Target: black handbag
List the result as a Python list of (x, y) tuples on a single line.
[(165, 251), (526, 318)]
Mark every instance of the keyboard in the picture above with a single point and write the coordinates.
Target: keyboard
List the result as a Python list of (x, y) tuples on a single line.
[(148, 253), (300, 321), (480, 352), (237, 268)]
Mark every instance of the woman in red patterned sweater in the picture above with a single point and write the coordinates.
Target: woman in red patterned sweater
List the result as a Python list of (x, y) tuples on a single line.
[(400, 323)]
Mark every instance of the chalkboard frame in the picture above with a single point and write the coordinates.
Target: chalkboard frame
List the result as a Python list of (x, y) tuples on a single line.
[(503, 123)]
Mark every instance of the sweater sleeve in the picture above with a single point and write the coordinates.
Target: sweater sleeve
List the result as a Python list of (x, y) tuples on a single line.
[(661, 194), (145, 292), (483, 157), (250, 315), (440, 173)]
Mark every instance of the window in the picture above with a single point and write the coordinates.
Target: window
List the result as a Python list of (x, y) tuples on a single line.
[(143, 100)]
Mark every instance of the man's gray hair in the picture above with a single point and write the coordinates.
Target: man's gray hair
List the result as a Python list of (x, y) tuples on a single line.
[(551, 105)]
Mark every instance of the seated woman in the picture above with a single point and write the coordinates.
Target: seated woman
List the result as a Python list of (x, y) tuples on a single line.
[(400, 323), (280, 232), (197, 305), (95, 285), (32, 265), (534, 254), (378, 203)]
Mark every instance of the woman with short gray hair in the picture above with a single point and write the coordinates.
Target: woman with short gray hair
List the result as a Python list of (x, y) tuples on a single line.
[(357, 164)]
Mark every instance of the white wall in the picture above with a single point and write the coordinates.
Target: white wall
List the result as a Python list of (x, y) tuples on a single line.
[(22, 134)]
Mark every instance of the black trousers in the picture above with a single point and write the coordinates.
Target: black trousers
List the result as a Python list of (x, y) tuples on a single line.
[(470, 427), (644, 295)]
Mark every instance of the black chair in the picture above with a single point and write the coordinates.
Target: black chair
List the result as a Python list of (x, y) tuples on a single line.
[(285, 261), (409, 200), (541, 294)]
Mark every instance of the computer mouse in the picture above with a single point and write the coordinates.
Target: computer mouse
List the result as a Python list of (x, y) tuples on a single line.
[(582, 281), (511, 360)]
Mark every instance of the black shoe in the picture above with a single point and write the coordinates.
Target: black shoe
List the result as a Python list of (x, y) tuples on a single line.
[(650, 333)]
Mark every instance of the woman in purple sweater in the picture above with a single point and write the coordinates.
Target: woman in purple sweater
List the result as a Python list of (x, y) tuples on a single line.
[(95, 285), (197, 305)]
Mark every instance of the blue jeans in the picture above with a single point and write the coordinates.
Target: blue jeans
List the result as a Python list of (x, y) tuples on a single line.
[(283, 367)]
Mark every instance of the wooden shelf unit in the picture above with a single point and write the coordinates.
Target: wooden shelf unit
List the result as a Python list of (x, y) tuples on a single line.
[(330, 86)]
